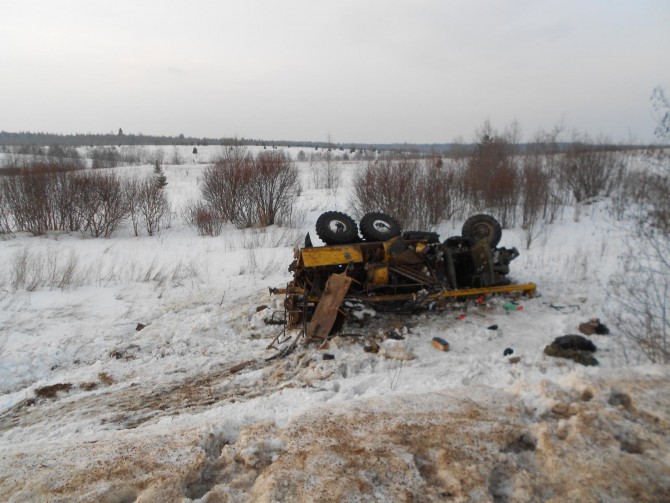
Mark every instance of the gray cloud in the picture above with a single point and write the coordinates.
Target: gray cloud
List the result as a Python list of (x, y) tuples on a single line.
[(392, 70)]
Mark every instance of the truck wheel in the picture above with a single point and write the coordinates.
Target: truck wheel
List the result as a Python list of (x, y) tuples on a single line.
[(335, 228), (482, 226), (377, 226)]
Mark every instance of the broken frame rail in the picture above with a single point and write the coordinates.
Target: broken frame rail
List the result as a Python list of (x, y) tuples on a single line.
[(527, 289)]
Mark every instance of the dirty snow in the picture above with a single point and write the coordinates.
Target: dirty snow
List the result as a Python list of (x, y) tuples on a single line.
[(188, 408)]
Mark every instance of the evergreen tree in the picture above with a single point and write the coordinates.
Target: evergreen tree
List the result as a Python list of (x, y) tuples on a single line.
[(159, 176)]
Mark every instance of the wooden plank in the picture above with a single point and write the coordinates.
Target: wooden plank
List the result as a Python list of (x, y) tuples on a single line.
[(325, 313)]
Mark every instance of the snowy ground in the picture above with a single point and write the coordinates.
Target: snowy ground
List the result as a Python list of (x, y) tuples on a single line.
[(189, 409)]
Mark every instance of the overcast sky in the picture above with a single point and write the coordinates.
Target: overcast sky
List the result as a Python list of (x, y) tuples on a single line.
[(352, 70)]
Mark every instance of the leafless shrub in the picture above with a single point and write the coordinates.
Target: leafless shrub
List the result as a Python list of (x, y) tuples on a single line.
[(65, 158), (492, 174), (641, 290), (5, 213), (104, 158), (176, 158), (534, 198), (131, 155), (39, 197), (203, 218), (132, 193), (248, 191), (158, 156), (588, 170), (100, 201), (417, 193), (641, 294), (275, 184), (153, 206), (325, 171)]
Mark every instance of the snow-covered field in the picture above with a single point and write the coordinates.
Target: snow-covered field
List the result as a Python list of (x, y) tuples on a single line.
[(188, 408)]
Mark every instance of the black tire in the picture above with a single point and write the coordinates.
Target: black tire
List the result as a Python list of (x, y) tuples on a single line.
[(377, 226), (335, 228), (482, 226)]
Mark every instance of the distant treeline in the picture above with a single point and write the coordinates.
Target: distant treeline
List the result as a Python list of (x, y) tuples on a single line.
[(24, 138)]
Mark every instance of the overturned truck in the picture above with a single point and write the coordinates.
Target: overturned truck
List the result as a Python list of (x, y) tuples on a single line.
[(391, 269)]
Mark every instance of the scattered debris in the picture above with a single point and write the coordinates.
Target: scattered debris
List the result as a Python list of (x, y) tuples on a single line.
[(373, 347), (575, 342), (139, 327), (508, 351), (52, 390), (106, 379), (236, 368), (523, 443), (573, 347), (395, 334), (89, 386), (396, 353), (440, 344), (593, 326), (328, 356), (514, 360), (567, 309), (620, 399), (563, 410), (125, 353), (492, 327), (512, 306)]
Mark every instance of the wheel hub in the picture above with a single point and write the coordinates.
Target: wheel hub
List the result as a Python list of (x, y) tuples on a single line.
[(337, 226), (382, 226)]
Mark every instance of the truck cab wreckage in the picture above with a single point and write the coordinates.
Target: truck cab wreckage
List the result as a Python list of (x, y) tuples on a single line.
[(390, 270)]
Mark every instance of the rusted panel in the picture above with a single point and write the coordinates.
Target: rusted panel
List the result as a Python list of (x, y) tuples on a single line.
[(331, 255), (378, 274), (326, 310)]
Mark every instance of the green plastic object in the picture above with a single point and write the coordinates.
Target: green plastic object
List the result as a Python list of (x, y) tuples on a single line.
[(509, 306)]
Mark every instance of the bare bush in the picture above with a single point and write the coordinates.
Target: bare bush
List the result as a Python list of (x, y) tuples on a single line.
[(100, 201), (641, 290), (274, 186), (534, 197), (325, 171), (201, 216), (418, 194), (492, 174), (104, 158), (132, 193), (39, 198), (176, 158), (153, 206), (588, 170), (248, 191), (65, 158), (5, 213)]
